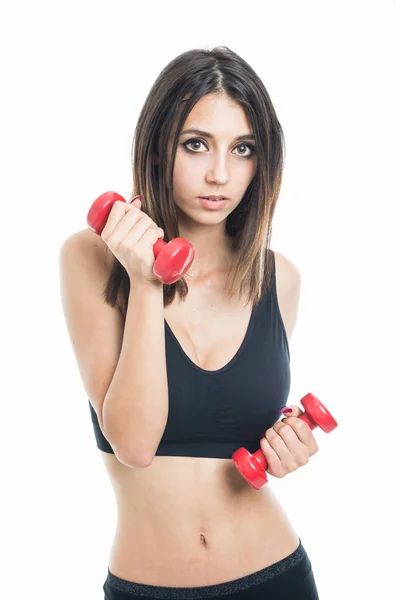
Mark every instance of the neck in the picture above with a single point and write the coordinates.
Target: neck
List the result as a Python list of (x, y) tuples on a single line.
[(212, 247)]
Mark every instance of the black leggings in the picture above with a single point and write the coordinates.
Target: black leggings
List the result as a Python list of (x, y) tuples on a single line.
[(288, 579)]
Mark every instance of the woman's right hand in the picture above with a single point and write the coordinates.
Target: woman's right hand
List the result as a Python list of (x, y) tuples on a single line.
[(130, 234)]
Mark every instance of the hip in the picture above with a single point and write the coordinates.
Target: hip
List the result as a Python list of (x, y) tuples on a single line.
[(291, 578)]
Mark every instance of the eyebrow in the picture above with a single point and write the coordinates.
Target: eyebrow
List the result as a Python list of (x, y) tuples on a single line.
[(247, 136)]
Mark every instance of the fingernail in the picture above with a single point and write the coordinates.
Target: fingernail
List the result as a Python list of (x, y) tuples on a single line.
[(136, 198), (285, 409)]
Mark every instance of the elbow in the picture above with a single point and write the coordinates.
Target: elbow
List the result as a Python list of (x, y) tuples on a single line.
[(133, 461), (125, 455), (136, 458)]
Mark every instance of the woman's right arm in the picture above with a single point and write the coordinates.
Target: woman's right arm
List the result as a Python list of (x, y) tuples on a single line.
[(135, 409), (122, 365)]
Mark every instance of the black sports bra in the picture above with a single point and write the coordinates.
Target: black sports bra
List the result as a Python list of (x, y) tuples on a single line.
[(213, 413)]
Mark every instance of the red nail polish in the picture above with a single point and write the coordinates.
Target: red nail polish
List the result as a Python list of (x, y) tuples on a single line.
[(285, 409), (136, 198)]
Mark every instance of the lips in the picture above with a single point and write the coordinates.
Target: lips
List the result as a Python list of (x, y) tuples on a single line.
[(215, 198), (213, 203)]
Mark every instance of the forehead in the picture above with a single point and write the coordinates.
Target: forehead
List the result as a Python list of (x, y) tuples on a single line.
[(218, 114)]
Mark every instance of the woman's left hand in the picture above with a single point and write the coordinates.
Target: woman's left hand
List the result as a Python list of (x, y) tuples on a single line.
[(288, 444)]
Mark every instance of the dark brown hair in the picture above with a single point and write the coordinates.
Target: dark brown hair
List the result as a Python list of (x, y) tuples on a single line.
[(179, 86)]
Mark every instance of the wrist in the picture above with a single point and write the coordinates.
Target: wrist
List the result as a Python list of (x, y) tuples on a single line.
[(146, 286)]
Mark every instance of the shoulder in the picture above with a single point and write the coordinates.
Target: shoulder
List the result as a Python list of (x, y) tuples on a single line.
[(88, 249), (88, 245), (287, 273), (288, 288)]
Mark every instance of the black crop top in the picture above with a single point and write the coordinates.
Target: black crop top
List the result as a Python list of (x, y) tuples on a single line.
[(213, 413)]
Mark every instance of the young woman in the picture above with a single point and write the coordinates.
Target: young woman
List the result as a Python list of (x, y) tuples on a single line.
[(180, 376)]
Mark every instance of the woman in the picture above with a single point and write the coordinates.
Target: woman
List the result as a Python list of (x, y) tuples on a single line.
[(180, 376)]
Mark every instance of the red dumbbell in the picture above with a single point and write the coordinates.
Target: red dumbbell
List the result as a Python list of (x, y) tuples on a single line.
[(173, 258), (253, 466)]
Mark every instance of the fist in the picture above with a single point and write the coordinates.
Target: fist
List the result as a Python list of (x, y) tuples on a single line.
[(288, 444)]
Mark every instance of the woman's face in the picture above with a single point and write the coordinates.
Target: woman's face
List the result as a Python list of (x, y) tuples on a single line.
[(218, 163)]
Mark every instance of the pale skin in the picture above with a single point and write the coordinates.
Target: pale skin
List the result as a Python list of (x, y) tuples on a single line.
[(186, 521)]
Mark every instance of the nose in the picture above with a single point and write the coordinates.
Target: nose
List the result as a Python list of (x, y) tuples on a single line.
[(218, 170)]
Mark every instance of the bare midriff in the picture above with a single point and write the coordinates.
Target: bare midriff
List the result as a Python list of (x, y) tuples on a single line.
[(187, 522)]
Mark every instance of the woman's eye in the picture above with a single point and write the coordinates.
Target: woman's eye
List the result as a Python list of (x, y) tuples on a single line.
[(193, 146), (190, 142), (246, 147)]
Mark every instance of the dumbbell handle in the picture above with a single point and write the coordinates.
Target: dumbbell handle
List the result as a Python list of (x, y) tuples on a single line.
[(172, 259), (158, 246), (99, 213), (258, 454)]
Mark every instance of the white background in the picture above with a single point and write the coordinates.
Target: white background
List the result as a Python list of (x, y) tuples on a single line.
[(74, 77)]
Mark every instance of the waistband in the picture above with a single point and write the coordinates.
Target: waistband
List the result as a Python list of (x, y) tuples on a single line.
[(209, 591)]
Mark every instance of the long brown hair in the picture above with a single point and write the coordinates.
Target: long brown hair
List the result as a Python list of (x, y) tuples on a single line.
[(179, 86)]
